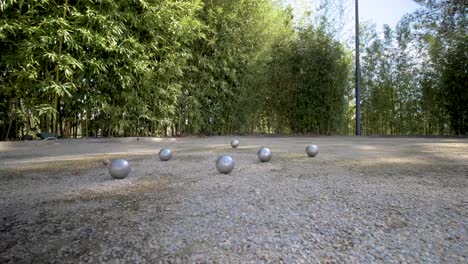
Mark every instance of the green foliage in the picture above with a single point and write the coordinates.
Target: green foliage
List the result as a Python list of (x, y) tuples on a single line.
[(414, 79), (320, 74), (161, 67), (115, 64), (454, 84)]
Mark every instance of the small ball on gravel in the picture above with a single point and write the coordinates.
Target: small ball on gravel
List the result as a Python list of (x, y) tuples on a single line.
[(312, 150), (119, 168), (235, 143), (105, 162), (165, 154), (264, 154), (225, 164)]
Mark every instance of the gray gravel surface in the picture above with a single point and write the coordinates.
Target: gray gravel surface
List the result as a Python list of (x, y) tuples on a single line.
[(361, 200)]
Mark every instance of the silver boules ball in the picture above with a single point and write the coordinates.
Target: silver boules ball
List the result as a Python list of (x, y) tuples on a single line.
[(312, 150), (225, 164), (235, 143), (119, 168), (264, 154), (165, 154)]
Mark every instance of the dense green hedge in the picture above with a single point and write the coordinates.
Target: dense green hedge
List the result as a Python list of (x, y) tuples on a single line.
[(159, 67)]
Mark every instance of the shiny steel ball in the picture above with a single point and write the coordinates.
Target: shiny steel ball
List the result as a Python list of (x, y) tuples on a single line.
[(225, 164), (119, 168), (235, 143), (312, 150), (165, 154), (264, 154)]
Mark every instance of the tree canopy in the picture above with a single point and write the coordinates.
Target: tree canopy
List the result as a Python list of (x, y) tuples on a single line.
[(415, 77), (164, 67)]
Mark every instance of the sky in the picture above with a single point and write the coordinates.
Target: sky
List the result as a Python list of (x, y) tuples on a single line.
[(385, 11), (379, 12)]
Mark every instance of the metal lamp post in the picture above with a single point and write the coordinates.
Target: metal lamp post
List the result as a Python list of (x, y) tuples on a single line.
[(358, 75)]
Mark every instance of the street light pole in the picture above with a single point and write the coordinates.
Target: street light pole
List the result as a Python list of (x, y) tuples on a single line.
[(358, 75)]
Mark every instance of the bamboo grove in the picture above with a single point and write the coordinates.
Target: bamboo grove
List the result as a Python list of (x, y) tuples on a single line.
[(85, 68), (415, 77)]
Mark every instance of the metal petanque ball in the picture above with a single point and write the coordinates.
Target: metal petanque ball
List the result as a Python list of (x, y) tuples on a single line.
[(165, 154), (235, 143), (264, 154), (119, 168), (225, 164), (312, 150)]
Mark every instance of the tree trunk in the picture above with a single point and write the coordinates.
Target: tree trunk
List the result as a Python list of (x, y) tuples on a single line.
[(9, 128)]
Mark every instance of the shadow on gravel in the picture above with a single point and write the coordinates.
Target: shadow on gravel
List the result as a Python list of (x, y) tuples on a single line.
[(72, 167), (442, 175), (134, 188), (94, 224)]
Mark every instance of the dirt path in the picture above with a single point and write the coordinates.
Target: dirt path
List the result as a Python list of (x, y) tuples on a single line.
[(361, 200)]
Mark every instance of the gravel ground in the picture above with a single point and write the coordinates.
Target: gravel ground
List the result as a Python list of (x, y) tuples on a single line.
[(361, 200)]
